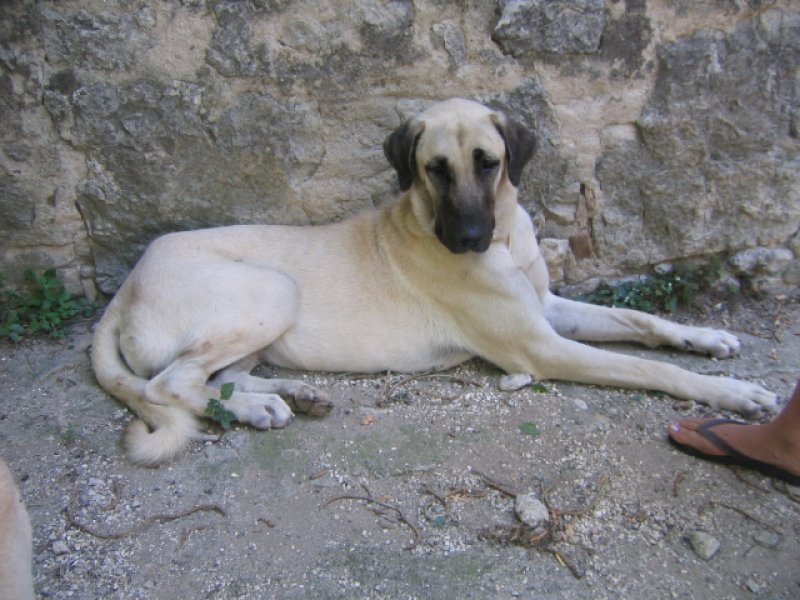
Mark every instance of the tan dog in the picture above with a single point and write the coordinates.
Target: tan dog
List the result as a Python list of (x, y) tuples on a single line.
[(16, 580), (450, 271)]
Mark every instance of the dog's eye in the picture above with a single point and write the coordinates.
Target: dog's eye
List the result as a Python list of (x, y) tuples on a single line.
[(437, 168), (484, 162), (488, 164)]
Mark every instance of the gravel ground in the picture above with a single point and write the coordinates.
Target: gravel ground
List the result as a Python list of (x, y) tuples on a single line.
[(407, 490)]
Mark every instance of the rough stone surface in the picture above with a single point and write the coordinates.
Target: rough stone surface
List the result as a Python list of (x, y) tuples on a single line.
[(550, 26), (665, 129), (716, 159), (138, 136)]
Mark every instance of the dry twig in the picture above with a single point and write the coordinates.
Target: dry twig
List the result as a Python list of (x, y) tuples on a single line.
[(497, 485), (390, 386), (744, 513), (142, 525), (370, 500), (676, 484)]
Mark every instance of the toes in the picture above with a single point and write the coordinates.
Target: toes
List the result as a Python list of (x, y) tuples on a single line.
[(725, 345), (717, 343), (687, 437), (759, 402), (282, 420), (679, 433), (259, 418), (264, 411), (312, 401), (767, 400), (320, 408), (262, 417)]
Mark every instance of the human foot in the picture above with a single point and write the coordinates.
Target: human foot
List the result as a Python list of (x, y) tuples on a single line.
[(734, 442)]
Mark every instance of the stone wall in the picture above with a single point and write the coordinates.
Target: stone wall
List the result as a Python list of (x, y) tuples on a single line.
[(667, 129)]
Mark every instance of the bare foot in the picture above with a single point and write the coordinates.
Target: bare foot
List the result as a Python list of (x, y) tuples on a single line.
[(760, 443)]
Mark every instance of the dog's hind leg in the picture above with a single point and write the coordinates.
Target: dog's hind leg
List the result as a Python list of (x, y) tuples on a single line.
[(249, 309), (305, 398), (185, 382)]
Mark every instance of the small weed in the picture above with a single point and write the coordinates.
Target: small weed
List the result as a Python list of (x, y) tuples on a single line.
[(539, 388), (216, 411), (47, 308), (71, 434), (529, 429), (660, 292)]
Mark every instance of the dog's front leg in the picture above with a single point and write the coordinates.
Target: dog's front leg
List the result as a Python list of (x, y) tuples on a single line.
[(546, 355), (509, 327), (591, 323)]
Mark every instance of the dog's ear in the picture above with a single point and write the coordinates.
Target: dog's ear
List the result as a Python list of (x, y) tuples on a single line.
[(520, 145), (400, 150)]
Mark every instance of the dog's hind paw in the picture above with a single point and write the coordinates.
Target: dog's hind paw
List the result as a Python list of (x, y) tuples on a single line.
[(310, 400), (263, 411)]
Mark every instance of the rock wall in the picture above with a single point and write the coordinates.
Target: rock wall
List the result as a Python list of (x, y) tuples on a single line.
[(667, 129)]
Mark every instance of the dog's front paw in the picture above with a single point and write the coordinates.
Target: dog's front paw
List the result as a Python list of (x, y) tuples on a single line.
[(749, 399), (717, 343)]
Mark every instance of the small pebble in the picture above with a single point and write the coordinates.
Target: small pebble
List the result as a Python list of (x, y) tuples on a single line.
[(580, 404), (532, 511), (514, 382), (755, 586), (60, 547), (766, 539), (703, 544)]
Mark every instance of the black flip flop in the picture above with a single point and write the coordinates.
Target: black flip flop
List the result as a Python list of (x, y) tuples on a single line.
[(733, 456)]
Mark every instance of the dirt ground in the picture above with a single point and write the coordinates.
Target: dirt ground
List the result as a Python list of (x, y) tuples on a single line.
[(406, 490)]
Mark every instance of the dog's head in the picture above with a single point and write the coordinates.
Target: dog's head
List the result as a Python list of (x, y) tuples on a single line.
[(458, 157)]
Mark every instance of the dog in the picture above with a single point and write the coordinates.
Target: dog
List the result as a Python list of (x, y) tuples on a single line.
[(449, 271), (16, 578)]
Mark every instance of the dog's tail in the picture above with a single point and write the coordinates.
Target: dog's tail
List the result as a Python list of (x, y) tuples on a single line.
[(161, 431)]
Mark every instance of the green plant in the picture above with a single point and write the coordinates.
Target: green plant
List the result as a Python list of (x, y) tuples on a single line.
[(46, 308), (71, 434), (529, 428), (659, 292), (215, 409)]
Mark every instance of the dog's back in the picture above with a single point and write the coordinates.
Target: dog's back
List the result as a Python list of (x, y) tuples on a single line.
[(16, 581)]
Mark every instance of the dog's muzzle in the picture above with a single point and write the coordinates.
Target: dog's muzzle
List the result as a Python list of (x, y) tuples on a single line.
[(465, 233)]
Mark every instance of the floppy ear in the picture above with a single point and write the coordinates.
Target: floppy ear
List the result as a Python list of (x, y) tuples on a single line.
[(400, 150), (520, 145)]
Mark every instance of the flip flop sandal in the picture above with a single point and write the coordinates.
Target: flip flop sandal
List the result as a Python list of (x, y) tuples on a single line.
[(733, 456)]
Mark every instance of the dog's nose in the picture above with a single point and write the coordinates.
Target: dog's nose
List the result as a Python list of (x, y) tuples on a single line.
[(470, 242), (471, 235)]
